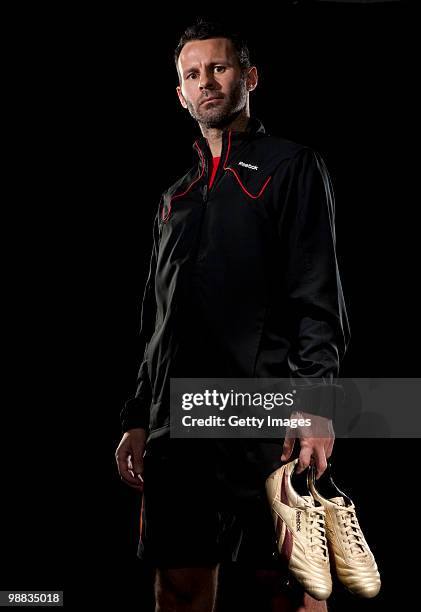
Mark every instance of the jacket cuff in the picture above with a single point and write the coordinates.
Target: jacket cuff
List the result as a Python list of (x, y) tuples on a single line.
[(134, 415), (321, 400)]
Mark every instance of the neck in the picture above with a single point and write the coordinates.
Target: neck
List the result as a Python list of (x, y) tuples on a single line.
[(214, 135)]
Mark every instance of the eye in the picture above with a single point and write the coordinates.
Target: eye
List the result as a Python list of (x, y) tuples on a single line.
[(191, 75), (219, 69)]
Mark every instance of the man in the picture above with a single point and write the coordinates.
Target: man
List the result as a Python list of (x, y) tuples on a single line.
[(243, 282)]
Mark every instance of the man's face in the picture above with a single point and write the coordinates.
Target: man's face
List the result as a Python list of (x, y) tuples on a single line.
[(212, 85)]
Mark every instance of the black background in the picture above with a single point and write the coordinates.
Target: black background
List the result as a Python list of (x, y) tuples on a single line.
[(99, 133)]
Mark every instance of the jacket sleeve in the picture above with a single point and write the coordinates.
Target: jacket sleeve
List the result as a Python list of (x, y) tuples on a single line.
[(318, 321), (135, 412)]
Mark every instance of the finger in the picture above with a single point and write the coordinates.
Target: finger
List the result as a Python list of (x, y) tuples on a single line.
[(129, 478), (137, 461), (320, 460), (125, 472), (287, 448), (329, 447), (303, 459)]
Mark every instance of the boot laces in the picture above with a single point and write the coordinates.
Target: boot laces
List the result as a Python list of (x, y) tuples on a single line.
[(354, 537), (316, 530)]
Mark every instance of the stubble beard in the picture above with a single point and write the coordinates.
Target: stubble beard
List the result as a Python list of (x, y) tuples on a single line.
[(223, 112)]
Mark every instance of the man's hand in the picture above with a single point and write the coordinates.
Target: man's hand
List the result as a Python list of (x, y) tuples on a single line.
[(316, 442), (129, 457)]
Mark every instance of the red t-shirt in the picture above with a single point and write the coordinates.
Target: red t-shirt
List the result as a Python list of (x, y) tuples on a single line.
[(215, 165)]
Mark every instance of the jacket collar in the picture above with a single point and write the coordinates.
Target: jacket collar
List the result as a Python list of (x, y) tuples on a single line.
[(254, 127)]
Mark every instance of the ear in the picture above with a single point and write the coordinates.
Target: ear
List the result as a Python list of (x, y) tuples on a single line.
[(252, 78), (181, 97)]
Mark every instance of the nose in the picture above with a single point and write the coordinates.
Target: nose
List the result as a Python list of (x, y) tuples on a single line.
[(206, 80)]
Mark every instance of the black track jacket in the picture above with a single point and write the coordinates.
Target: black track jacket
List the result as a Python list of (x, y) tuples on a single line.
[(243, 278)]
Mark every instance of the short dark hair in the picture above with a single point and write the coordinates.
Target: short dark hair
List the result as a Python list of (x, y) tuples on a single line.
[(204, 29)]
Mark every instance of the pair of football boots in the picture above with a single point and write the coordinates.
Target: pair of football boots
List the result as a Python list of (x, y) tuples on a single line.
[(316, 532)]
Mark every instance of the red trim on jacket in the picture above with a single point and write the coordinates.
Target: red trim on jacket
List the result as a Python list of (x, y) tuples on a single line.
[(238, 178), (166, 216)]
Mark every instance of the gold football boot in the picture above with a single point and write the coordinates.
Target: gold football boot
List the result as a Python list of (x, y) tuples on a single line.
[(300, 533), (350, 555)]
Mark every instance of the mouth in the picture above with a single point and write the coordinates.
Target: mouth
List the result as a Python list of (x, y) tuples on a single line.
[(214, 99)]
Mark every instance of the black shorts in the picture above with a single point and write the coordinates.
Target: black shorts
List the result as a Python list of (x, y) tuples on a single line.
[(204, 502)]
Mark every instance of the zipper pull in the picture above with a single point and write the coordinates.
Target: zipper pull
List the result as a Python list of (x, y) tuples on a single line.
[(205, 193)]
